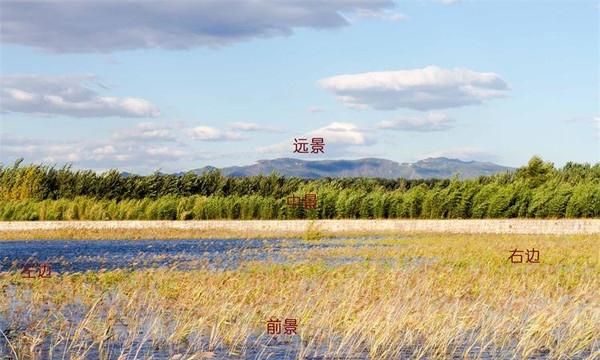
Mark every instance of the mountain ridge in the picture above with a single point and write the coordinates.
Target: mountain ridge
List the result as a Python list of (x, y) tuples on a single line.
[(434, 168)]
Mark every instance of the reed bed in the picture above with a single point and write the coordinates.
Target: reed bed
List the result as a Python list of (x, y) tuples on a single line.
[(423, 296), (165, 233)]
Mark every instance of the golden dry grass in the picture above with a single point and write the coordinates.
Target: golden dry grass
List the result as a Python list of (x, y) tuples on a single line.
[(167, 233), (425, 296)]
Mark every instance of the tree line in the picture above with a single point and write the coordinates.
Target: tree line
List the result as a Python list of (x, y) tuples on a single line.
[(538, 190)]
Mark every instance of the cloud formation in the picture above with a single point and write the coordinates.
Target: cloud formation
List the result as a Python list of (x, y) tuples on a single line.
[(423, 89), (251, 127), (146, 131), (14, 147), (110, 25), (342, 133), (381, 15), (341, 138), (67, 95), (142, 148), (139, 156), (207, 133), (430, 122)]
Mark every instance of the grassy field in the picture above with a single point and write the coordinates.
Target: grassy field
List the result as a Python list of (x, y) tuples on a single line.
[(423, 296)]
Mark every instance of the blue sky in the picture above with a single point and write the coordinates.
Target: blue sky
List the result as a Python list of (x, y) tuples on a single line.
[(179, 85)]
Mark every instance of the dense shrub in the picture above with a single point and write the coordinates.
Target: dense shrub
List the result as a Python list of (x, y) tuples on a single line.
[(538, 190)]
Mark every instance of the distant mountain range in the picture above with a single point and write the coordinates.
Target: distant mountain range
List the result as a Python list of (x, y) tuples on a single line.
[(438, 168)]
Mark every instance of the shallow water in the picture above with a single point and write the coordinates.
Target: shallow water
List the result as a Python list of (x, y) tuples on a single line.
[(214, 254)]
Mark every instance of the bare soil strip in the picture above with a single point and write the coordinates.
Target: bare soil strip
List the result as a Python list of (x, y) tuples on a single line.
[(286, 228)]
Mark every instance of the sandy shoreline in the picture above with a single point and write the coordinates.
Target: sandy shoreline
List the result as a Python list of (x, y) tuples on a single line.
[(289, 228)]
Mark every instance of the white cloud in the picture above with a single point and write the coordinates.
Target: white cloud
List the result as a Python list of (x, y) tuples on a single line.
[(146, 131), (104, 150), (339, 137), (165, 152), (428, 88), (142, 148), (98, 154), (160, 133), (40, 150), (67, 95), (381, 15), (20, 95), (207, 133), (250, 126), (342, 133), (449, 2), (105, 26), (430, 122)]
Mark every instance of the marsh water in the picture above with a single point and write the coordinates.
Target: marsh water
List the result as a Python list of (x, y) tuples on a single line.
[(68, 256), (184, 254)]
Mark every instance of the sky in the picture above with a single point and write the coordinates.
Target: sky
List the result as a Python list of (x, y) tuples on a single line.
[(142, 86)]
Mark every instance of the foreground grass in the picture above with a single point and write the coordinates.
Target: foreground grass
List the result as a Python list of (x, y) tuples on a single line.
[(425, 296)]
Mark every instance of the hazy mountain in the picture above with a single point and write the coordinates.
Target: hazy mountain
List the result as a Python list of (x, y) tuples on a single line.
[(371, 167)]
